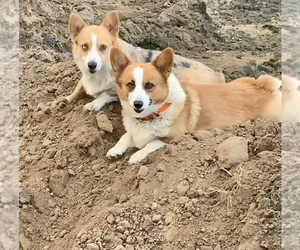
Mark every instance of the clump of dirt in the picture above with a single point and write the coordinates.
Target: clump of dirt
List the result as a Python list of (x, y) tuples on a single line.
[(190, 194)]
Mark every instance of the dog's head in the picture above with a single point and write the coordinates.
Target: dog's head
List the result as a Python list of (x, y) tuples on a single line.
[(92, 44), (142, 87)]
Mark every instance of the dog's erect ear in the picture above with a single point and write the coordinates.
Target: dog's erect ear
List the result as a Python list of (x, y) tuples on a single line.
[(164, 62), (76, 24), (119, 61), (112, 23)]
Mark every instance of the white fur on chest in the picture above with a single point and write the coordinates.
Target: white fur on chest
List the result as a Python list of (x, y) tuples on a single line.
[(97, 83), (143, 132)]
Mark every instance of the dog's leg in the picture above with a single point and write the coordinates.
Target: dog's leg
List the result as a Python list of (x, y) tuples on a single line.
[(142, 153), (78, 90), (100, 101), (122, 145)]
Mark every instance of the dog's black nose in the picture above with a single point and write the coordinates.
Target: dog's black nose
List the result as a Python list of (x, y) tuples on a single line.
[(138, 104), (92, 65)]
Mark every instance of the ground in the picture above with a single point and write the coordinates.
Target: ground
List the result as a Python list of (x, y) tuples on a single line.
[(192, 194)]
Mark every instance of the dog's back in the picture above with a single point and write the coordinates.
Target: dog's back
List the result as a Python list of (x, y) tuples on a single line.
[(223, 105)]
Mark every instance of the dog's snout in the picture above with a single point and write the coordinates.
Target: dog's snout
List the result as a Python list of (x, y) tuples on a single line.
[(92, 65), (138, 104)]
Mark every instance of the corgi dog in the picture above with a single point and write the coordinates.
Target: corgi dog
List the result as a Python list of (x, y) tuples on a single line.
[(290, 99), (91, 52), (157, 107)]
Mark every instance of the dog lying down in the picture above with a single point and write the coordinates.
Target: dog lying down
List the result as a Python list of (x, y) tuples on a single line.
[(156, 107), (290, 99)]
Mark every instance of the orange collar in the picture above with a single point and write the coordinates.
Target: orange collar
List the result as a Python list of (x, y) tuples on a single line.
[(155, 114)]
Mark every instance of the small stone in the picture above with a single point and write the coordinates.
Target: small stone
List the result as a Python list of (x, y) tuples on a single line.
[(143, 171), (58, 181), (120, 229), (232, 151), (46, 143), (130, 240), (24, 242), (140, 240), (160, 167), (125, 224), (111, 219), (183, 199), (120, 247), (116, 209), (156, 218), (83, 238), (160, 176), (104, 123), (129, 247), (203, 135), (92, 246), (206, 248), (169, 218), (62, 233), (264, 203), (182, 188), (192, 194)]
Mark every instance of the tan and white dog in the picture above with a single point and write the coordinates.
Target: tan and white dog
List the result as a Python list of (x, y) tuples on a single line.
[(91, 52), (290, 99), (157, 107)]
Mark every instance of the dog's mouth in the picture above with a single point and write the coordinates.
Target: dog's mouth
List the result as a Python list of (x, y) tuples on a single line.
[(92, 71), (138, 110)]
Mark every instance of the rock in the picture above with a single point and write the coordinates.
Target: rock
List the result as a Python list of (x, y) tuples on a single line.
[(40, 201), (111, 219), (232, 151), (182, 188), (125, 224), (58, 181), (116, 209), (120, 247), (253, 245), (156, 218), (183, 199), (60, 159), (129, 247), (104, 123), (46, 143), (206, 248), (192, 193), (140, 240), (120, 229), (169, 218), (203, 135), (92, 246), (130, 240), (169, 235), (24, 242), (160, 176), (62, 233), (264, 203), (160, 167), (143, 171)]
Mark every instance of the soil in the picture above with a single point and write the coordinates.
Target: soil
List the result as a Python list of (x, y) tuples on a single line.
[(197, 192)]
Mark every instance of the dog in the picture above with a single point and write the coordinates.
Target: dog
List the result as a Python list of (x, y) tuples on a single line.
[(91, 52), (290, 99), (157, 107)]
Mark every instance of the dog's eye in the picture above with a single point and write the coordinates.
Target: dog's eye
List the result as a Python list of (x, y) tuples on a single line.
[(85, 46), (131, 85), (103, 47), (149, 85)]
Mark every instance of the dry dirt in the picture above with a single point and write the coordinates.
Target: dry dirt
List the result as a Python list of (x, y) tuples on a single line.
[(201, 191)]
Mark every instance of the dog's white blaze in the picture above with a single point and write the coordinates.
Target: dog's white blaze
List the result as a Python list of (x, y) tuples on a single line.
[(93, 55), (139, 94)]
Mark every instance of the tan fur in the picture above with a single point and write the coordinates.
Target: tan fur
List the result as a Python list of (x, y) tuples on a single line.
[(230, 104), (201, 76), (290, 99)]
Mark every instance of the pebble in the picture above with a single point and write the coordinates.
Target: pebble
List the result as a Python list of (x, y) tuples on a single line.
[(203, 135), (116, 209), (92, 246), (104, 123), (111, 219), (143, 171), (120, 247), (156, 218), (182, 188), (169, 218), (232, 151)]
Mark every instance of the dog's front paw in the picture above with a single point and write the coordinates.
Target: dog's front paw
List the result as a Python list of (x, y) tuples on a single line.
[(137, 157), (115, 152), (93, 106)]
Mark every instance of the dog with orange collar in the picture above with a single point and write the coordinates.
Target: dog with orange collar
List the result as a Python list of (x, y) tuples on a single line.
[(156, 107)]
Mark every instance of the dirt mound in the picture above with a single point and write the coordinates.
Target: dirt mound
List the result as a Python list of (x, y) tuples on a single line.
[(192, 194)]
